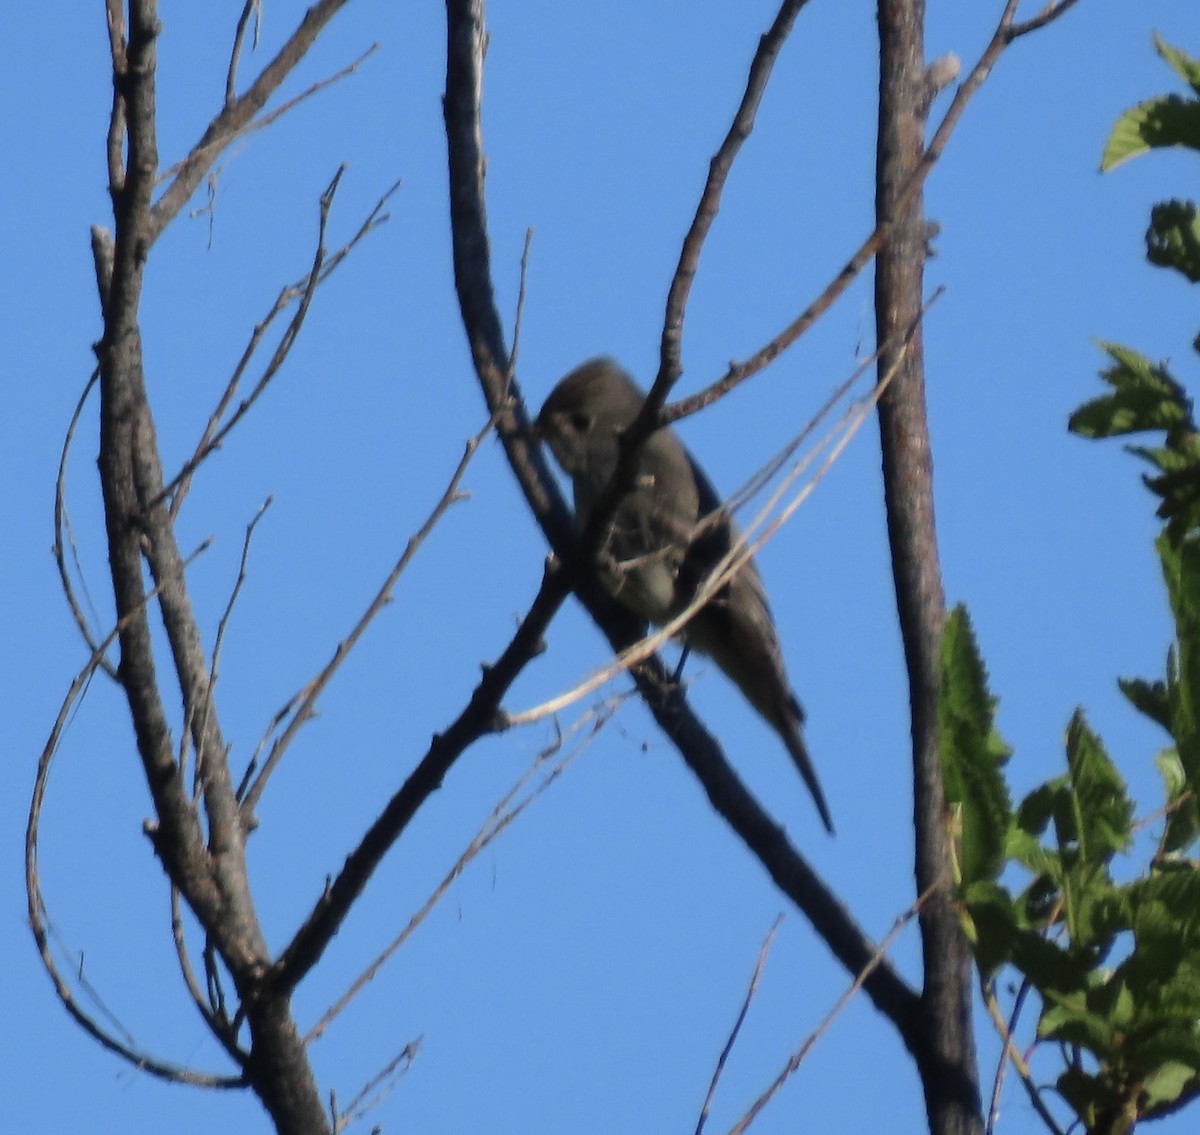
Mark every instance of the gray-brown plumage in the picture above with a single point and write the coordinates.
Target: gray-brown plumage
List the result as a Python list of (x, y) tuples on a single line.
[(658, 552)]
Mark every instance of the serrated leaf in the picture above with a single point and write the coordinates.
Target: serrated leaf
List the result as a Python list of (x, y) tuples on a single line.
[(972, 752), (1103, 812), (1089, 1030), (1037, 808), (1145, 397), (1148, 698), (1184, 65), (1157, 123), (1173, 238), (993, 924), (1181, 572)]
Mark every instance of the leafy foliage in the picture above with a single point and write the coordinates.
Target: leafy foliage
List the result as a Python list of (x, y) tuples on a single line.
[(1114, 958), (1173, 238)]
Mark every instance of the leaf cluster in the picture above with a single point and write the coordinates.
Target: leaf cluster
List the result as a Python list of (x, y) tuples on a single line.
[(1115, 964)]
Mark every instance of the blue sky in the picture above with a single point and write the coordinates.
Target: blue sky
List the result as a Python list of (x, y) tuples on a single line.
[(583, 972)]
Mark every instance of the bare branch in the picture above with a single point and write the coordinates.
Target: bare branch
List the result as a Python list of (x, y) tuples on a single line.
[(215, 432), (381, 1084), (670, 366), (809, 1042), (251, 7), (305, 701), (235, 117), (738, 372), (1047, 15), (737, 1024), (504, 813), (62, 528)]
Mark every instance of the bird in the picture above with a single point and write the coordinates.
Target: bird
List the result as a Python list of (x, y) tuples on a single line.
[(667, 535)]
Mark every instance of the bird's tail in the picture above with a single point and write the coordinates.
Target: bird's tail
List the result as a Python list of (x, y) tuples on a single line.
[(790, 732)]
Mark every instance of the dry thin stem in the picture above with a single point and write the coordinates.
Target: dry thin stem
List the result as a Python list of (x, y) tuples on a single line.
[(1004, 34), (38, 914), (501, 816), (62, 526), (211, 1010), (516, 337), (670, 366), (255, 7), (234, 119), (1005, 1030), (305, 699), (209, 152), (214, 431), (737, 1024), (810, 1041), (1047, 15), (376, 1089), (223, 624)]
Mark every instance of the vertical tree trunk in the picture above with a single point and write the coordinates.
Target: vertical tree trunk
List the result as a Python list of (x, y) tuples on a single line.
[(948, 1063)]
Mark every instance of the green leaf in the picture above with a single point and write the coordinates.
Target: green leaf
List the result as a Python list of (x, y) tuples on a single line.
[(1148, 698), (1173, 238), (972, 753), (1073, 1025), (1181, 573), (1184, 65), (992, 925), (1157, 123), (1167, 1083), (1103, 812), (1183, 819), (1145, 397)]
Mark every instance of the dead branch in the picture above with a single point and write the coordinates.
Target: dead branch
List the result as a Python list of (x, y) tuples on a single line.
[(1003, 35), (305, 699), (502, 815), (670, 365), (751, 990), (860, 979), (233, 118)]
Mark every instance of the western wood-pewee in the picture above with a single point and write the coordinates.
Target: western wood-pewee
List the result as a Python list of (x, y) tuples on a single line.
[(668, 534)]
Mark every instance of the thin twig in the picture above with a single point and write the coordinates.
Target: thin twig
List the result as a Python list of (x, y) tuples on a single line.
[(809, 1042), (214, 431), (254, 6), (1047, 15), (737, 1024), (382, 1084), (305, 700), (225, 617), (1005, 1031), (669, 366), (207, 152), (38, 915), (516, 336), (502, 815), (62, 524), (737, 373), (212, 1013)]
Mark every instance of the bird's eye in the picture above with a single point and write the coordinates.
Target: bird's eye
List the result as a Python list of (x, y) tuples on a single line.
[(581, 421)]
